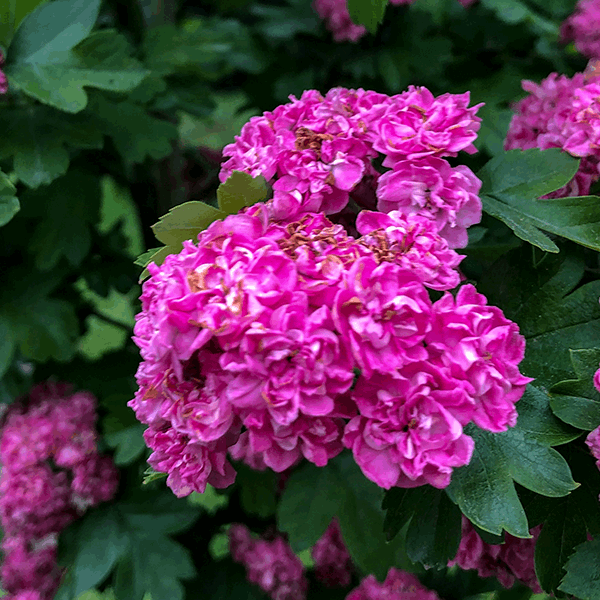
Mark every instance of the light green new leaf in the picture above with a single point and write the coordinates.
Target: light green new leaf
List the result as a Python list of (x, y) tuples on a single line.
[(9, 203), (576, 401), (185, 222), (240, 190), (102, 61), (136, 134), (367, 12), (583, 572), (38, 139)]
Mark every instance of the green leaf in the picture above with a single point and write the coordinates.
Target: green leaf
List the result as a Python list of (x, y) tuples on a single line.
[(151, 475), (101, 541), (69, 204), (583, 572), (136, 133), (258, 491), (128, 444), (210, 501), (576, 401), (156, 256), (434, 529), (313, 496), (132, 540), (310, 500), (367, 12), (537, 420), (44, 328), (11, 15), (554, 315), (566, 521), (59, 78), (9, 204), (520, 224), (53, 28), (185, 222), (484, 489), (221, 126), (512, 185), (38, 138), (210, 48), (7, 344), (240, 190)]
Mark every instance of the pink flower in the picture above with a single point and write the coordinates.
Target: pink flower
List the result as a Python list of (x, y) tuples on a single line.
[(271, 564), (407, 435), (35, 502), (39, 498), (398, 585), (337, 19), (317, 151), (508, 561), (3, 79), (561, 113), (431, 187), (583, 27), (291, 364), (383, 312), (412, 242), (417, 124), (333, 564), (481, 347), (190, 465), (597, 380)]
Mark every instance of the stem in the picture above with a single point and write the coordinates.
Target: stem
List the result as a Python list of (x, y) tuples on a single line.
[(111, 321), (130, 15)]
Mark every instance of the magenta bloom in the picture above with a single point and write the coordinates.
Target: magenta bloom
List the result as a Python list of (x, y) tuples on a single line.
[(481, 347), (406, 434), (51, 473), (508, 561), (561, 113), (398, 585), (583, 28), (431, 187), (270, 564), (413, 243), (333, 564), (384, 313), (317, 151), (3, 79)]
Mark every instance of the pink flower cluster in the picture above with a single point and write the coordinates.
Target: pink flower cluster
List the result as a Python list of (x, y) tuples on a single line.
[(317, 152), (508, 561), (562, 113), (252, 340), (3, 79), (337, 19), (398, 585), (270, 564), (333, 564), (583, 28), (51, 474)]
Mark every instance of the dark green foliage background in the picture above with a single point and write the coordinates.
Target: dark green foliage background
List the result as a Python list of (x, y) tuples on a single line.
[(110, 149)]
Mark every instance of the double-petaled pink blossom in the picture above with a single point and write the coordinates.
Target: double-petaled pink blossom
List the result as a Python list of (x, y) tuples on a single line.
[(508, 561), (51, 473), (398, 585), (562, 112), (583, 28), (270, 563)]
